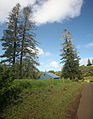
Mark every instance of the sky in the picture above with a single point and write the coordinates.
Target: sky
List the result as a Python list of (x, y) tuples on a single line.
[(52, 17)]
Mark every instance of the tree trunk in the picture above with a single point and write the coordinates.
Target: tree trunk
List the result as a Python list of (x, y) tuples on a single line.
[(14, 52), (22, 47)]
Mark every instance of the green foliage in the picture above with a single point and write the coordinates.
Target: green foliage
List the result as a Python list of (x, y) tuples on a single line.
[(86, 71), (92, 62), (29, 69), (5, 84), (91, 80), (51, 71), (55, 72), (26, 84), (89, 63), (10, 37), (58, 73), (38, 101), (28, 51), (19, 44), (70, 58)]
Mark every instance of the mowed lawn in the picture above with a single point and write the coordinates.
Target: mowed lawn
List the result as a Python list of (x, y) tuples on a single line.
[(37, 100)]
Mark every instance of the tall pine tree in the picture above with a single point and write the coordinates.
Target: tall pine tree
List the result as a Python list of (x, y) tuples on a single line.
[(92, 62), (89, 63), (28, 51), (70, 58), (10, 41), (19, 44)]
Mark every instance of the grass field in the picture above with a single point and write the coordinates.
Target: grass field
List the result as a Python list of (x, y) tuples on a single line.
[(37, 100)]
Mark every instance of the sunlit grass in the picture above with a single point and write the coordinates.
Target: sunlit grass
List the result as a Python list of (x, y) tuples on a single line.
[(38, 101)]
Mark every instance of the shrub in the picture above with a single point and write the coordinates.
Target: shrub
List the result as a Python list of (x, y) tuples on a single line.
[(5, 84)]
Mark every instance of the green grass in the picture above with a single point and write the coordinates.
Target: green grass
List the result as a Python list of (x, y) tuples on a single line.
[(38, 101), (88, 79), (91, 80)]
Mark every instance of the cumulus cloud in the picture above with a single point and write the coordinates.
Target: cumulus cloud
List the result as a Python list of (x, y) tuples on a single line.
[(45, 66), (57, 10), (7, 5), (54, 64), (42, 52), (45, 10)]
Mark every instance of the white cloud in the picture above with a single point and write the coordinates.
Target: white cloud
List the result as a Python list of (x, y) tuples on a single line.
[(47, 11), (57, 10), (54, 64), (88, 45), (48, 54), (7, 5), (46, 66), (84, 61), (42, 52)]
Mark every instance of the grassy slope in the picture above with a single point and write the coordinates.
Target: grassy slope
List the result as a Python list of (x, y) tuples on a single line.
[(38, 101)]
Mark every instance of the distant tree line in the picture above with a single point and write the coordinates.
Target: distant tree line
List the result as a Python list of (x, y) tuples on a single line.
[(87, 71)]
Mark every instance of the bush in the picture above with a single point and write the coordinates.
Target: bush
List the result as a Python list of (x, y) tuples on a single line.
[(5, 84), (87, 71)]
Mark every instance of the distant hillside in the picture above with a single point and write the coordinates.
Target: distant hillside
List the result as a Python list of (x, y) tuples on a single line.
[(87, 70)]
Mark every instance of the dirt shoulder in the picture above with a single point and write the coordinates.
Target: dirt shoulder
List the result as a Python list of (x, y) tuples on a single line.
[(72, 112), (85, 110)]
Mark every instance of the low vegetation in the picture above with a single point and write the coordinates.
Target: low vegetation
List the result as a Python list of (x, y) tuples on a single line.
[(87, 71), (36, 100)]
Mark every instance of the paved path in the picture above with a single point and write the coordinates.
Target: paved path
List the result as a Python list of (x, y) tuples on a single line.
[(85, 110)]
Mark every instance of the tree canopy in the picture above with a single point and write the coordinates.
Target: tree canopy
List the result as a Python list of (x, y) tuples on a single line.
[(19, 43)]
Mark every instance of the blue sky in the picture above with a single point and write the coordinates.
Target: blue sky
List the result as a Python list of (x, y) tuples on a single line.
[(49, 35)]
